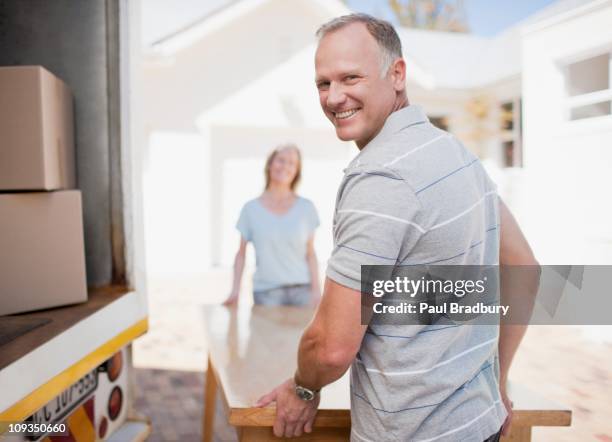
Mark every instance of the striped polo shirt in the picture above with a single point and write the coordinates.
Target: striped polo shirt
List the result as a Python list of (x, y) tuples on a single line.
[(415, 195)]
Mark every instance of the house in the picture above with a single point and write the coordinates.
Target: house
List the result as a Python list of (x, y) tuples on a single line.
[(219, 101), (226, 90), (567, 94)]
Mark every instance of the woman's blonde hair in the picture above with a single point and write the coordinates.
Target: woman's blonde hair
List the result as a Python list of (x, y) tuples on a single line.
[(298, 173)]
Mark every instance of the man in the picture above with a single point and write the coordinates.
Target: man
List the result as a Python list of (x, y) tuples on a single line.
[(412, 195)]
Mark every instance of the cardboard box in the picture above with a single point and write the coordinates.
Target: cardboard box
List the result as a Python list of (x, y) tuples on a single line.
[(42, 252), (37, 130)]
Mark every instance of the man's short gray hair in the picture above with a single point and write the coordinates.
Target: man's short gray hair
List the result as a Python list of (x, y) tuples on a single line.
[(382, 31)]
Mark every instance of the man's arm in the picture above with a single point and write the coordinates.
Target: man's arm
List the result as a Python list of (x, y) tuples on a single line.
[(514, 251), (327, 348), (331, 341)]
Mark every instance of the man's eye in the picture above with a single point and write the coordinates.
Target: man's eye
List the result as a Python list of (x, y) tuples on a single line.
[(351, 77), (323, 85)]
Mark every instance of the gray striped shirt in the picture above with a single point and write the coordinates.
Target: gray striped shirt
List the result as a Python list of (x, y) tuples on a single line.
[(415, 195)]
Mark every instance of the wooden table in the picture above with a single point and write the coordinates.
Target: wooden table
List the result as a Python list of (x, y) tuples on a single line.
[(252, 350)]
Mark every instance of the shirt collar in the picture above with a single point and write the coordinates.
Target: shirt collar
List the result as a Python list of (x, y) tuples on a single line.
[(401, 119), (398, 120)]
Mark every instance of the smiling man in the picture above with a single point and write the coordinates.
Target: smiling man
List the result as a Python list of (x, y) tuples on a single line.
[(413, 195)]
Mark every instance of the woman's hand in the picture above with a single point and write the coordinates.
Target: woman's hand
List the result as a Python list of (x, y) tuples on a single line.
[(231, 300)]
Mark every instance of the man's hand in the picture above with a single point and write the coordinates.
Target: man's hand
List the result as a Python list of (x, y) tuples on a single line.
[(508, 404), (293, 415)]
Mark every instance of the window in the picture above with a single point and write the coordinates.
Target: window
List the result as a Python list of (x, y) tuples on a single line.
[(588, 87), (507, 116), (511, 133)]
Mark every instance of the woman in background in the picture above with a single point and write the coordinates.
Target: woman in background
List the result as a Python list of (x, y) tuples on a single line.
[(281, 226)]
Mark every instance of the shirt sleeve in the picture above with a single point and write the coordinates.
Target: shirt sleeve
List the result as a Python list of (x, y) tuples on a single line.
[(243, 225), (376, 222), (313, 217)]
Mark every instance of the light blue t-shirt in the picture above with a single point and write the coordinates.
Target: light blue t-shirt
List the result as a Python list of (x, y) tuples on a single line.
[(280, 242)]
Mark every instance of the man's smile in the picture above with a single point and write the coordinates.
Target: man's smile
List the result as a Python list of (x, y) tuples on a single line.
[(346, 114)]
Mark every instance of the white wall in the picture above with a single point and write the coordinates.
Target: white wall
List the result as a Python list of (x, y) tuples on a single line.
[(569, 162), (176, 200), (182, 84)]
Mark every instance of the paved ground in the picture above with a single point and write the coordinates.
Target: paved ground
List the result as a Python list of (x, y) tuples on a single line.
[(569, 365), (564, 365), (173, 400)]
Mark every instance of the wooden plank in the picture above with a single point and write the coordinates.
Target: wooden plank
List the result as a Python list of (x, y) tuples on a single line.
[(261, 434), (62, 319), (542, 418), (518, 434), (532, 410), (210, 396), (264, 417)]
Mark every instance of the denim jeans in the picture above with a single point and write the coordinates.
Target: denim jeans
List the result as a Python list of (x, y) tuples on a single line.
[(298, 294)]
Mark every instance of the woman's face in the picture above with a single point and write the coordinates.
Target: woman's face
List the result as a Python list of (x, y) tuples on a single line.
[(284, 167)]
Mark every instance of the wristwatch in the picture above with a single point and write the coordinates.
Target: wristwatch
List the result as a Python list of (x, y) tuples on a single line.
[(304, 393)]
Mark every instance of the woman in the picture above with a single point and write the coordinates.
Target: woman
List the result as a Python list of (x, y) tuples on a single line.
[(281, 226)]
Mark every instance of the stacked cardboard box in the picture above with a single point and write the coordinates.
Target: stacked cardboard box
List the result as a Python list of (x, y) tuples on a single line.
[(42, 252)]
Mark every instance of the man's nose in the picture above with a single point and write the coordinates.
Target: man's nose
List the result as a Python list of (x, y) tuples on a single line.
[(335, 95)]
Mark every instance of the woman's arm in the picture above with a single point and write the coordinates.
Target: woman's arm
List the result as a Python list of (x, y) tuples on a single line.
[(313, 268), (238, 270)]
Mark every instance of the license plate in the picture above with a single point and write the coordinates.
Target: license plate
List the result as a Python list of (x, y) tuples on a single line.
[(60, 407)]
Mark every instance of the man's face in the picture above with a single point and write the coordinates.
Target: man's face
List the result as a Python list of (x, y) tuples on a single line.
[(351, 91)]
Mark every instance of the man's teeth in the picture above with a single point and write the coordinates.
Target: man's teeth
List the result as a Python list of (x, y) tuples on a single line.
[(346, 114)]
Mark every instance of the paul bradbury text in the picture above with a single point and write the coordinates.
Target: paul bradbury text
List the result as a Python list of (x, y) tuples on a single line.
[(478, 308)]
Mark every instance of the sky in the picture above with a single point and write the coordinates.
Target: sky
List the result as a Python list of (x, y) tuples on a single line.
[(486, 17)]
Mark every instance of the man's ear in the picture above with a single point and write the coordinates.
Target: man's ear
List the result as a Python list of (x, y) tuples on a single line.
[(398, 74)]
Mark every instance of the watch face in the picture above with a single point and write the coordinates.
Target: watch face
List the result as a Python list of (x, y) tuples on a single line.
[(304, 393)]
